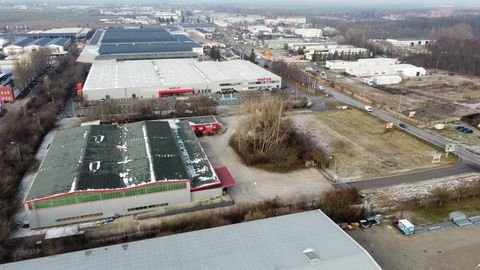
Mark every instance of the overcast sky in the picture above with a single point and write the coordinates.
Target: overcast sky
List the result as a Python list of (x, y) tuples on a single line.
[(298, 3)]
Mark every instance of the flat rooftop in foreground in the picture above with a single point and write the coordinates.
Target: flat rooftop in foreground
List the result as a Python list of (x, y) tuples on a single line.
[(109, 157), (274, 243), (169, 72)]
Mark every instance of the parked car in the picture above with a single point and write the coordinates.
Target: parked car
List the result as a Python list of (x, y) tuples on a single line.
[(365, 224), (463, 129), (227, 91)]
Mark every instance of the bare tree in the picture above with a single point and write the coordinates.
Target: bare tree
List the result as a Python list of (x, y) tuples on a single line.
[(440, 195)]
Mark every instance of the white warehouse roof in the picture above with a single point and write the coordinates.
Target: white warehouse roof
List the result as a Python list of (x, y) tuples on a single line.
[(308, 240), (401, 69), (170, 72)]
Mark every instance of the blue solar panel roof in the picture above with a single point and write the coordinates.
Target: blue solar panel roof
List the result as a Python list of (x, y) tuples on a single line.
[(146, 48), (136, 35), (24, 42), (183, 38), (42, 41)]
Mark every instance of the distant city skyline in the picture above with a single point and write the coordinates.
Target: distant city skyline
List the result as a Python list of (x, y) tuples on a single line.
[(283, 3)]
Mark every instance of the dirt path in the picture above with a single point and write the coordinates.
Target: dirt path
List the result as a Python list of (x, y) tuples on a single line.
[(256, 184)]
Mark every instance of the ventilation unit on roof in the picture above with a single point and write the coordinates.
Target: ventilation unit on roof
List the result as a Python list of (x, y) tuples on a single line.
[(99, 139), (311, 255), (94, 166)]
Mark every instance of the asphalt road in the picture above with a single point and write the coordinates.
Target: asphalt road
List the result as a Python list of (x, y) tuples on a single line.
[(469, 161), (461, 151), (459, 168)]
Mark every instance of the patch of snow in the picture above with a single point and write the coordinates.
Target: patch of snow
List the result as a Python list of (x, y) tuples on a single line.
[(94, 166), (99, 139), (149, 156), (74, 184), (122, 147), (203, 178), (388, 197), (204, 169), (58, 232), (125, 161), (173, 123), (197, 160)]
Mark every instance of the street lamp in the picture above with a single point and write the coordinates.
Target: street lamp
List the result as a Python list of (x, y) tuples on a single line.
[(399, 107), (18, 149)]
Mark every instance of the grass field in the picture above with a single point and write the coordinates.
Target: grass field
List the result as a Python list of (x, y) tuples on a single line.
[(363, 148), (450, 133), (36, 19), (436, 213)]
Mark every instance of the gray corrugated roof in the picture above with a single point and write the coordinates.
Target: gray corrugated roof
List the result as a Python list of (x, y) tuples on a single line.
[(273, 243), (110, 157)]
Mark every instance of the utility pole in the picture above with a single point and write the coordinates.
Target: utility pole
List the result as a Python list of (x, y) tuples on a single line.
[(73, 107), (399, 107)]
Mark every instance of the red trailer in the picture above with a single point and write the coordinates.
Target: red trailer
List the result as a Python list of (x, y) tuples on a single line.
[(175, 92)]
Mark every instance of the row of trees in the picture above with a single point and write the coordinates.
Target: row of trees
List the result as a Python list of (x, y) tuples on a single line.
[(30, 66), (166, 20), (22, 134), (451, 54), (349, 56), (215, 54), (112, 111)]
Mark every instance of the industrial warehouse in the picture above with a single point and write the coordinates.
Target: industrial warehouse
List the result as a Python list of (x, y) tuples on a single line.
[(308, 240), (377, 71), (156, 78), (144, 43), (99, 171)]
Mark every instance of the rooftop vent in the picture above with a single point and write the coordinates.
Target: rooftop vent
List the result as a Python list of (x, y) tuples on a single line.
[(311, 255), (99, 139), (94, 166)]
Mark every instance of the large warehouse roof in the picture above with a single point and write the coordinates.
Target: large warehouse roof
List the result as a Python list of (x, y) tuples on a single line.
[(108, 157), (145, 40), (136, 35), (169, 72), (139, 43), (308, 240), (147, 47)]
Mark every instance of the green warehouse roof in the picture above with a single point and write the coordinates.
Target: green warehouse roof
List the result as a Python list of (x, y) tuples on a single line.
[(104, 157)]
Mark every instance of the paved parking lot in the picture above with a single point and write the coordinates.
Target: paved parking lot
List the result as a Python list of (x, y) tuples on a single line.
[(449, 248), (256, 184)]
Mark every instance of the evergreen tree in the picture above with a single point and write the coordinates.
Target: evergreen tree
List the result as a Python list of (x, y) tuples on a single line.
[(335, 55), (253, 56)]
